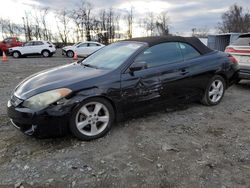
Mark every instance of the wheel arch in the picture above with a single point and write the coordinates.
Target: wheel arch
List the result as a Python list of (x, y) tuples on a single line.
[(224, 77), (17, 51), (45, 50), (100, 97)]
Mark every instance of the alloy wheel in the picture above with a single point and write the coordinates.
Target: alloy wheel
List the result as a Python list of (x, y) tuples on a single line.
[(45, 54), (216, 91), (92, 118), (15, 54)]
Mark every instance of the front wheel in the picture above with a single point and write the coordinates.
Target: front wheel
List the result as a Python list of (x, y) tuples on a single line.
[(70, 54), (214, 92), (92, 119), (16, 54)]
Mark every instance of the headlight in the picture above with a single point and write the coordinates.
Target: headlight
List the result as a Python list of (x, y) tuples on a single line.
[(43, 100)]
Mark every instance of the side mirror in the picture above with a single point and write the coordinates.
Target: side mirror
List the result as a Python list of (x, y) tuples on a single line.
[(138, 66)]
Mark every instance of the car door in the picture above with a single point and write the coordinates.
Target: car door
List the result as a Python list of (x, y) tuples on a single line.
[(178, 79), (199, 68), (38, 46), (92, 47), (28, 48), (82, 49), (142, 89)]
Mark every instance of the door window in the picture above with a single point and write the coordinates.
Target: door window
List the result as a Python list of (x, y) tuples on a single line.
[(83, 45), (188, 51), (37, 43), (93, 45), (28, 44), (161, 54)]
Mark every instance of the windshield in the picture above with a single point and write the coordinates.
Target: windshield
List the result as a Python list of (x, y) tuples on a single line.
[(112, 56), (77, 43)]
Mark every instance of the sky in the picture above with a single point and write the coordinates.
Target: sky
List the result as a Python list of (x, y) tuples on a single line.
[(184, 14)]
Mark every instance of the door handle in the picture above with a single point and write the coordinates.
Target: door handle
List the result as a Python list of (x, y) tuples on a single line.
[(184, 72)]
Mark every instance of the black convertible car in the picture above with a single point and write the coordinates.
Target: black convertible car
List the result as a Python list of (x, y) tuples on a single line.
[(122, 79)]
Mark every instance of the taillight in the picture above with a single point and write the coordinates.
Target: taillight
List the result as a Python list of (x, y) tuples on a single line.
[(230, 50), (233, 59)]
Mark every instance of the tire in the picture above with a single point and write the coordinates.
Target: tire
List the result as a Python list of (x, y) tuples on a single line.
[(16, 54), (214, 92), (1, 53), (86, 123), (46, 53), (70, 53)]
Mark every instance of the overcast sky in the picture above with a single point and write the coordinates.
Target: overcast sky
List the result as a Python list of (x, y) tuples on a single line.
[(184, 14)]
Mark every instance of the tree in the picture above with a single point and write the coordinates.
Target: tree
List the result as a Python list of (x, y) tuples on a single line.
[(200, 32), (62, 25), (82, 17), (149, 24), (105, 25), (129, 19), (236, 19), (162, 23), (10, 29), (27, 26)]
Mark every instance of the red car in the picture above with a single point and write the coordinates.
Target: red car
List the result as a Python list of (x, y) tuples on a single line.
[(9, 43)]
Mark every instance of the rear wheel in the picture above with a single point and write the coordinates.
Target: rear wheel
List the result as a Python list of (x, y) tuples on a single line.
[(16, 54), (45, 53), (214, 92), (92, 119)]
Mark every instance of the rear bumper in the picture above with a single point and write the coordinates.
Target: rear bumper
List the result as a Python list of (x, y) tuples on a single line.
[(244, 73)]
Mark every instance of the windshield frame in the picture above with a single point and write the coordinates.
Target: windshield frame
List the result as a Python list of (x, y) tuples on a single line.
[(125, 62)]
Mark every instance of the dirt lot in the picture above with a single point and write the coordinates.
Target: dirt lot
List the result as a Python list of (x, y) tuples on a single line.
[(192, 146)]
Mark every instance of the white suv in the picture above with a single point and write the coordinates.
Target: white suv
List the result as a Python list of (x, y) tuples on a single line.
[(82, 49), (240, 49), (44, 48)]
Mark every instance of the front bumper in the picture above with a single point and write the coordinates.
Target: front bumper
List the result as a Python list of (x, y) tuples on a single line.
[(52, 121), (63, 52)]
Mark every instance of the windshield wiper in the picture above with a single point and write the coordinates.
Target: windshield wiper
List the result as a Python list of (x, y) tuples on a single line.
[(89, 65)]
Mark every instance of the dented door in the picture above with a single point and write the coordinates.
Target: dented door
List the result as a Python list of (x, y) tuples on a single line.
[(140, 89)]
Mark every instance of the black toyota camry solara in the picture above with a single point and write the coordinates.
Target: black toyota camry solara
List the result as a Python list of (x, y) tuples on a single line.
[(122, 79)]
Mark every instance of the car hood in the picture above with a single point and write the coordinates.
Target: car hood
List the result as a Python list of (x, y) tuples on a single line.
[(16, 48), (67, 47), (60, 77)]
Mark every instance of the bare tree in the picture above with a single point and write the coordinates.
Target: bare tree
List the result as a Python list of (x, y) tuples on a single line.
[(129, 19), (10, 29), (200, 32), (236, 19), (149, 24), (106, 25), (162, 23), (82, 17), (28, 26), (44, 13), (62, 25)]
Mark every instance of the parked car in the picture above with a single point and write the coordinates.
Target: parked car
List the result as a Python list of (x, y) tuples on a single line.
[(82, 49), (9, 43), (240, 49), (122, 79), (44, 48)]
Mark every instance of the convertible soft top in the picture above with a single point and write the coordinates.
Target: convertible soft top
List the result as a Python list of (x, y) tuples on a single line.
[(193, 41)]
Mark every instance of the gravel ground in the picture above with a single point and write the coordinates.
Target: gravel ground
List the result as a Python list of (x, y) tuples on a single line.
[(190, 146)]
